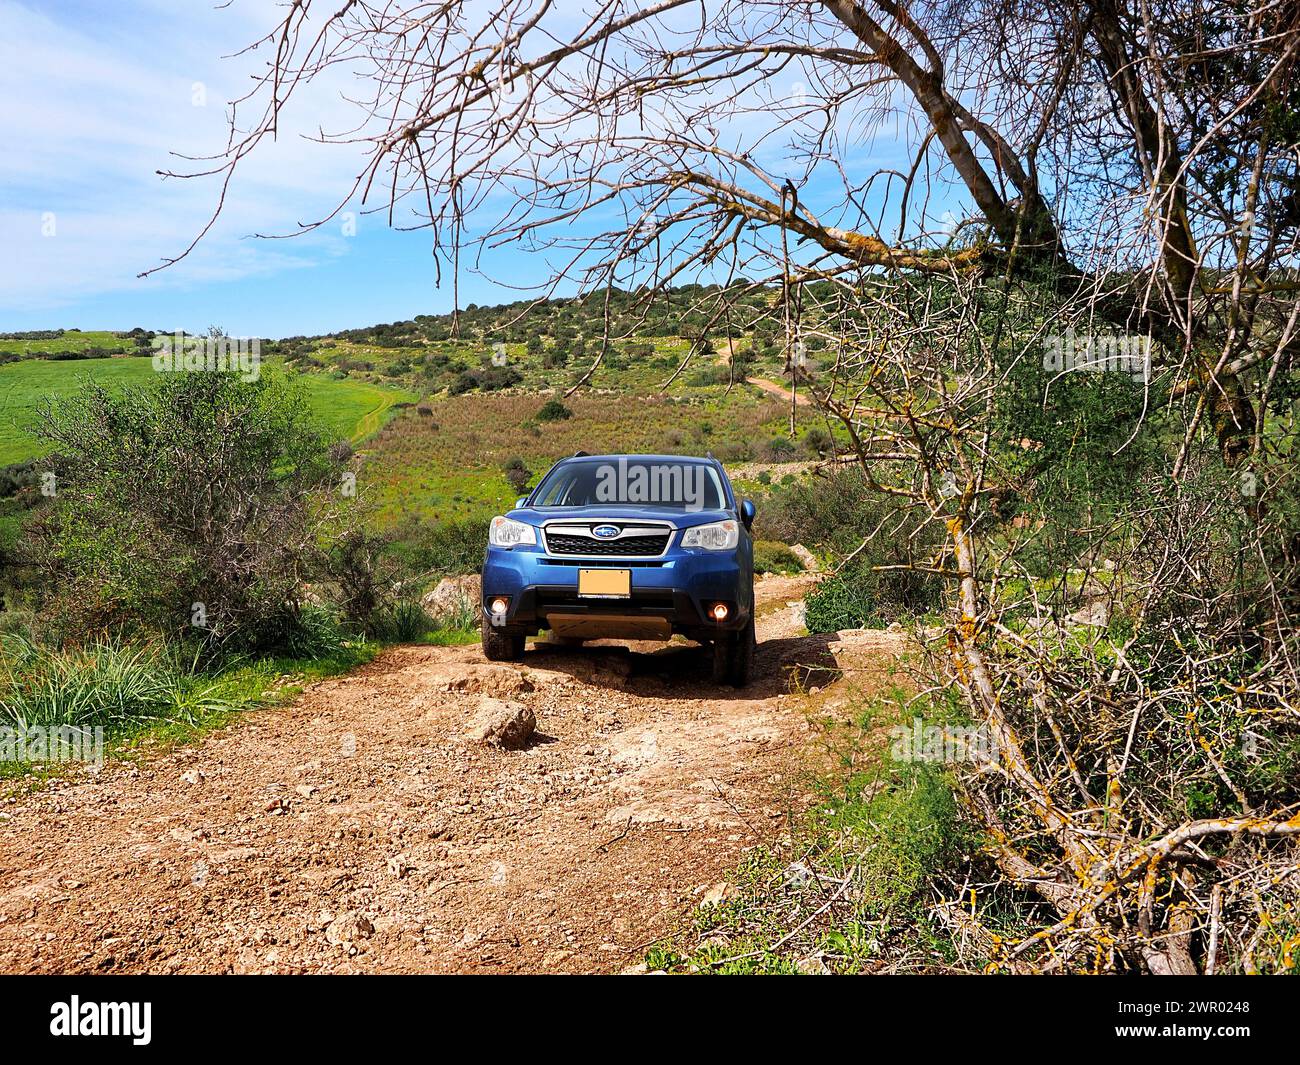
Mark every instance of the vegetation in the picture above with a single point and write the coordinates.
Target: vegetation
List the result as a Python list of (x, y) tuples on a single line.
[(184, 509), (1124, 177), (346, 409), (854, 890), (773, 557)]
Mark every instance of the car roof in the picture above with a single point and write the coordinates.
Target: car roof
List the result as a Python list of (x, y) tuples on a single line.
[(698, 459)]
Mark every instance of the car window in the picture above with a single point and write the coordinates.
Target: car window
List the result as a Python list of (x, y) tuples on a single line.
[(633, 481)]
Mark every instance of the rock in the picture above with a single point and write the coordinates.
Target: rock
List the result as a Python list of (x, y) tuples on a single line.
[(348, 927), (716, 895), (812, 966), (805, 556), (276, 807), (191, 776), (507, 724), (454, 595), (1095, 614)]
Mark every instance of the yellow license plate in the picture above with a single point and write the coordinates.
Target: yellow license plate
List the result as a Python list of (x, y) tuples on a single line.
[(605, 583)]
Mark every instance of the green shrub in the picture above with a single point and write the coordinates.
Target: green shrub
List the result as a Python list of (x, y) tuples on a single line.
[(18, 476), (404, 622), (365, 574), (517, 475), (858, 597), (554, 411), (779, 449), (311, 633), (185, 508), (773, 557), (443, 549), (817, 441), (714, 374)]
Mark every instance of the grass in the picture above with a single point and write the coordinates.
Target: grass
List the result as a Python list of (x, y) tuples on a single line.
[(347, 409), (105, 685), (143, 696), (148, 699), (71, 340), (449, 464), (851, 891)]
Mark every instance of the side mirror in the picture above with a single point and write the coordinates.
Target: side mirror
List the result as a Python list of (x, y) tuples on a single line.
[(520, 502), (747, 512)]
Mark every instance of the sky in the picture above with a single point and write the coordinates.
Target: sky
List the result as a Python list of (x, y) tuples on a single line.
[(98, 97)]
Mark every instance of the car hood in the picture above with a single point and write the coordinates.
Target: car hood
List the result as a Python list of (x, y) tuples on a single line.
[(683, 519)]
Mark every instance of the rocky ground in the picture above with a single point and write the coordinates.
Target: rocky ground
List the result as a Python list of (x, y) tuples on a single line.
[(368, 827)]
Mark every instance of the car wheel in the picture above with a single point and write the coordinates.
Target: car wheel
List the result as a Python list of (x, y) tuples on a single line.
[(733, 657), (499, 646)]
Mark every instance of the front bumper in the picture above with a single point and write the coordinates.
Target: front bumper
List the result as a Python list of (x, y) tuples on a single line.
[(674, 589)]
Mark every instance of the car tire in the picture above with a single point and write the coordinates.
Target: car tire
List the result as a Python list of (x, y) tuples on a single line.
[(499, 646), (733, 657)]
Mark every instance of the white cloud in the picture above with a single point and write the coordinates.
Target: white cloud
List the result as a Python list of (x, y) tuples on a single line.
[(93, 111)]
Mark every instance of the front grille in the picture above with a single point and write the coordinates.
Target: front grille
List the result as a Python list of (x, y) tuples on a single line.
[(590, 547)]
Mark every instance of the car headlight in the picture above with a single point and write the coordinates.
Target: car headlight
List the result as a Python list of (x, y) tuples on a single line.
[(506, 532), (720, 536)]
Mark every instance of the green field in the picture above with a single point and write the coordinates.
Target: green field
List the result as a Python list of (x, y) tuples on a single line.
[(346, 409), (72, 340)]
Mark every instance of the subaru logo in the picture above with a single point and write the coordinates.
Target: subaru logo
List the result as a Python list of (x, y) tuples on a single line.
[(605, 532)]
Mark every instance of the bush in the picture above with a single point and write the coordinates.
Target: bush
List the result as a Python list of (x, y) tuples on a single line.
[(485, 378), (773, 557), (554, 411), (517, 475), (366, 576), (835, 513), (18, 476), (858, 597), (817, 442), (714, 374), (443, 549), (403, 622), (779, 449), (184, 508)]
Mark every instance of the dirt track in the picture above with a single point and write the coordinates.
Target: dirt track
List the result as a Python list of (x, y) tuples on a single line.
[(353, 831)]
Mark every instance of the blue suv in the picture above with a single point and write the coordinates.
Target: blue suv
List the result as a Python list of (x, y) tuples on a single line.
[(634, 547)]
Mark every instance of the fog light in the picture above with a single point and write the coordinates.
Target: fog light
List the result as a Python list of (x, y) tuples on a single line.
[(499, 607), (719, 612)]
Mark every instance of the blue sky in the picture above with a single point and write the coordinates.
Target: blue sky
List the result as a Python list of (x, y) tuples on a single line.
[(97, 98)]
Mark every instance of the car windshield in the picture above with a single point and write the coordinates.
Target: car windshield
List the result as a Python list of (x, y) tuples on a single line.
[(680, 485)]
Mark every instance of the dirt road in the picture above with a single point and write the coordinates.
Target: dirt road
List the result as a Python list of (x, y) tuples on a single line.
[(780, 391), (354, 831)]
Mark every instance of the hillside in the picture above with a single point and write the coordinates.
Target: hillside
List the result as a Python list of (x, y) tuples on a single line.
[(441, 405)]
